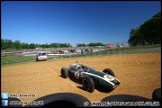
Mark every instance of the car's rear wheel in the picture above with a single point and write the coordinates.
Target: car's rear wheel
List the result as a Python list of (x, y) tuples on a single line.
[(109, 71), (64, 72), (88, 84)]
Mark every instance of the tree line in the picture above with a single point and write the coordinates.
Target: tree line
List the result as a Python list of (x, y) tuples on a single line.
[(148, 33), (9, 44), (90, 44)]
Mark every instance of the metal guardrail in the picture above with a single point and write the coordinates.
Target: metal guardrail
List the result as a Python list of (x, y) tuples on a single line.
[(92, 54)]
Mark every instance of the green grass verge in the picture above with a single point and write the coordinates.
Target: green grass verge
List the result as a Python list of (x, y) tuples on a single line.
[(133, 47), (16, 58), (18, 63)]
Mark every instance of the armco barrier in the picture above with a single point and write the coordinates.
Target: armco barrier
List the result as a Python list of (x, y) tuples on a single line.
[(92, 54)]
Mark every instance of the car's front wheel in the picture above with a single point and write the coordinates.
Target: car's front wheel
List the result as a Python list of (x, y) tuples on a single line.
[(109, 71), (36, 59), (88, 84), (64, 72)]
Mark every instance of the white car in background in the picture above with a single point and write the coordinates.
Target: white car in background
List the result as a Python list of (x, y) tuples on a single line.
[(119, 45), (41, 56)]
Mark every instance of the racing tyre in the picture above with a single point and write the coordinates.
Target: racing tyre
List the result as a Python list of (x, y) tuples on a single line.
[(88, 84), (70, 74), (36, 59), (156, 95), (69, 100), (64, 72), (109, 71)]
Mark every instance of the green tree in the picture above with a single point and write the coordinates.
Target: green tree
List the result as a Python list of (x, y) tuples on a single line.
[(37, 45), (42, 45), (136, 37), (23, 45), (9, 44), (32, 46), (81, 45), (2, 44), (17, 44), (54, 45), (151, 29), (95, 44), (148, 32), (46, 45)]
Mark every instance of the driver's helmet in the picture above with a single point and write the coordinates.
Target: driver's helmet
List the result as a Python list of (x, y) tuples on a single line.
[(78, 66), (77, 62)]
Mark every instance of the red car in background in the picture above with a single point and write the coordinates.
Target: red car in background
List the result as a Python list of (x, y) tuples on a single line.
[(110, 46)]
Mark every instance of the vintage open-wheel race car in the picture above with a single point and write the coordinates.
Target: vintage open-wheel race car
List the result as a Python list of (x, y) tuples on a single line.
[(90, 77)]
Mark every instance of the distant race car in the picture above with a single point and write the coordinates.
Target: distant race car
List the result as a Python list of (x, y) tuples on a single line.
[(90, 77), (41, 56)]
